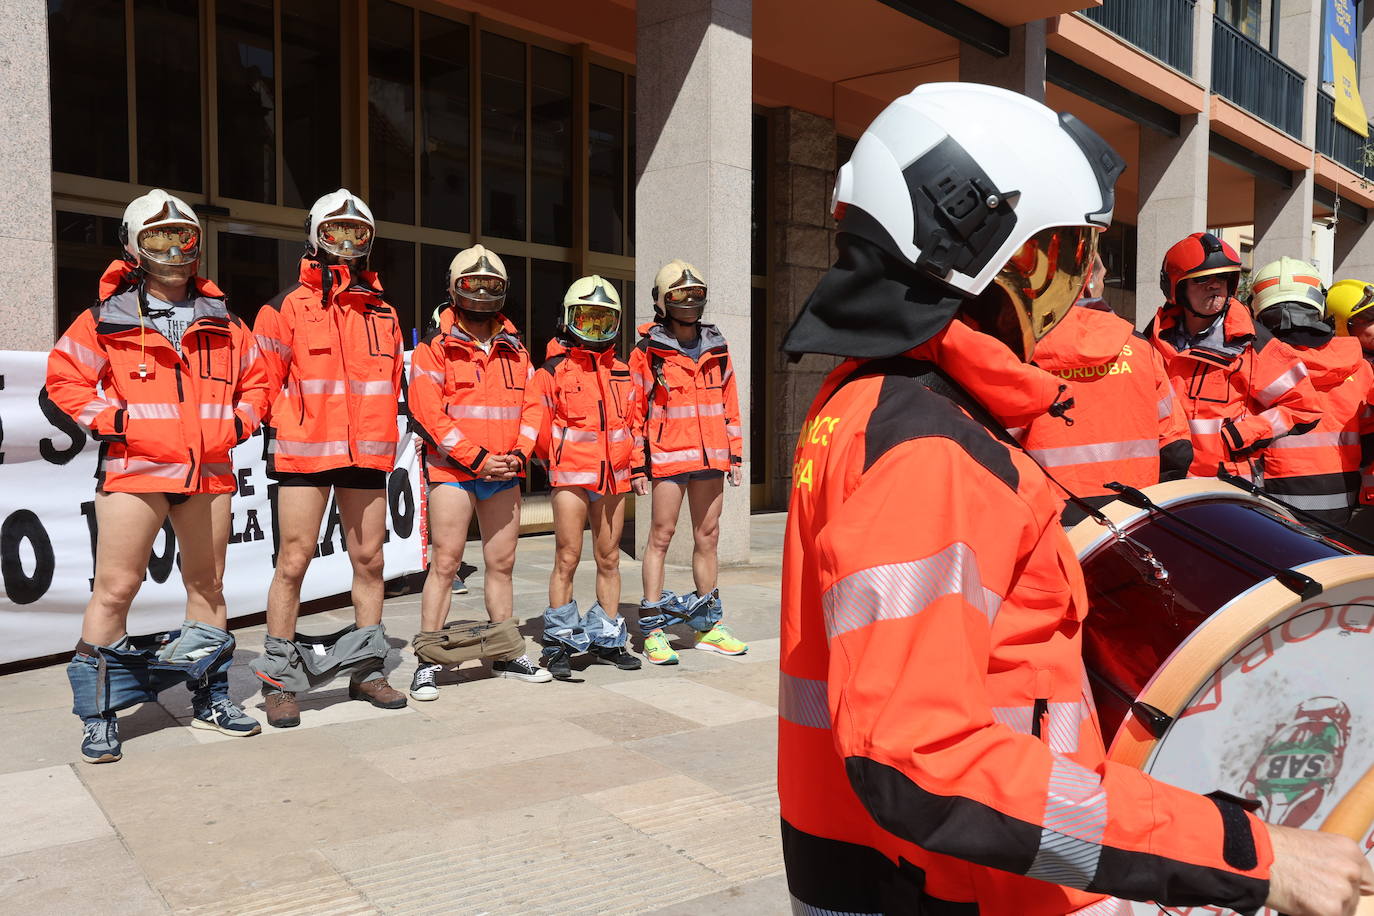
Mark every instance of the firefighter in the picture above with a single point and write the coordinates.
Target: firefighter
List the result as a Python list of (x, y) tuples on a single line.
[(1318, 471), (1128, 426), (580, 416), (169, 380), (467, 386), (692, 443), (1348, 305), (1239, 388), (938, 751), (332, 345)]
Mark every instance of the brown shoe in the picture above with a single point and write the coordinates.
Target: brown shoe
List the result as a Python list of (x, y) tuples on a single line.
[(282, 711), (377, 692)]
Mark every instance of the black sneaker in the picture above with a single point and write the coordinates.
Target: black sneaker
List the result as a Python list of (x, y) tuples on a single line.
[(558, 663), (522, 670), (604, 655), (422, 686), (100, 743)]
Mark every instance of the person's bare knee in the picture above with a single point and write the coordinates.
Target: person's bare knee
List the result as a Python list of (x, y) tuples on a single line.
[(293, 560), (661, 536), (706, 537), (565, 560), (367, 565), (114, 593), (608, 561), (207, 585), (445, 563)]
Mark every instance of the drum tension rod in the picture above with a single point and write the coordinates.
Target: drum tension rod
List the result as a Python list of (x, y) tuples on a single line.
[(1248, 486), (1299, 583)]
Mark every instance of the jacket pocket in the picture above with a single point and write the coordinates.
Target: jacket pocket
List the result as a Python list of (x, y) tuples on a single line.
[(213, 356)]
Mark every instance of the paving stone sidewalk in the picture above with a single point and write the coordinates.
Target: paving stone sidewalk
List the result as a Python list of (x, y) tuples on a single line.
[(630, 792)]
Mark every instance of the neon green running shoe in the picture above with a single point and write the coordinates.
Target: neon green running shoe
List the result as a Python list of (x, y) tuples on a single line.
[(721, 640), (657, 650)]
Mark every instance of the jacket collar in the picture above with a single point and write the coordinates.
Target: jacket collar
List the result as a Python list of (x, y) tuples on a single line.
[(659, 337), (342, 279), (119, 292), (452, 331), (604, 358), (1230, 334), (1014, 392)]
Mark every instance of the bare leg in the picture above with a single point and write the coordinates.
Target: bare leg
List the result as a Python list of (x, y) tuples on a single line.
[(363, 513), (299, 513), (705, 498), (569, 520), (667, 506), (128, 524), (450, 513), (202, 527), (608, 519), (499, 520)]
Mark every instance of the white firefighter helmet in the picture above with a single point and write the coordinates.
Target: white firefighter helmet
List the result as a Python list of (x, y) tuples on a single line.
[(680, 291), (340, 224), (477, 280), (591, 312), (161, 234), (1287, 280), (975, 185)]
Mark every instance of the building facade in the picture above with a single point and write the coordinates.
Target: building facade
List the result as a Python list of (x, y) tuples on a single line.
[(609, 136)]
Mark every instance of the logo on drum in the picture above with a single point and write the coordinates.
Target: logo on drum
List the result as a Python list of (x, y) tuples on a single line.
[(1300, 761)]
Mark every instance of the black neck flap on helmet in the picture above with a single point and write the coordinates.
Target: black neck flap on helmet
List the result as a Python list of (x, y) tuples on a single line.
[(1297, 324)]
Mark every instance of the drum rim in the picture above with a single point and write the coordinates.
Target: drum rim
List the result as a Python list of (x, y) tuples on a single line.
[(1221, 636), (1088, 536)]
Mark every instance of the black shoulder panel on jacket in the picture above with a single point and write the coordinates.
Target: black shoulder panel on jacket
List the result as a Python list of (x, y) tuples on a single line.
[(1262, 337), (435, 332), (907, 410), (1140, 336), (276, 301), (552, 362)]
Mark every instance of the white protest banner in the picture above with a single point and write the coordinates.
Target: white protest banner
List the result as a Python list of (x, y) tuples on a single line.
[(48, 528)]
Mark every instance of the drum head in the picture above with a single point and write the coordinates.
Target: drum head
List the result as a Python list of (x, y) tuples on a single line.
[(1271, 699)]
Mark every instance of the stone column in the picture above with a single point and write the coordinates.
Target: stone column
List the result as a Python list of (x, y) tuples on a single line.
[(692, 194), (1353, 255), (1022, 70), (28, 316), (802, 175)]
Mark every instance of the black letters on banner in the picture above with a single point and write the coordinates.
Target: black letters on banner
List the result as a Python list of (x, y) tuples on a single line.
[(332, 523), (2, 423), (402, 503), (88, 511), (23, 525), (65, 425)]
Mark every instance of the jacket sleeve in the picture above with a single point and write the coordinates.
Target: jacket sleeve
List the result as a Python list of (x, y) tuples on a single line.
[(77, 369), (1175, 441), (1288, 404), (641, 384), (910, 612), (254, 388), (1366, 421), (273, 337), (536, 417), (733, 430), (425, 399)]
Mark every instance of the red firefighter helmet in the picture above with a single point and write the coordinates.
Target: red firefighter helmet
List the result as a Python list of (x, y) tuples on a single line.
[(1198, 255)]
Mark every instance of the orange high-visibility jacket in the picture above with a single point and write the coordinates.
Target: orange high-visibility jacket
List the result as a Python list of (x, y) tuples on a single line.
[(465, 400), (169, 427), (690, 406), (939, 750), (580, 414), (1319, 471), (335, 345), (1237, 400), (1127, 425)]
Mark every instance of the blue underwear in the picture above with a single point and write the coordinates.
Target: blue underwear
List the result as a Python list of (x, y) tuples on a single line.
[(484, 489)]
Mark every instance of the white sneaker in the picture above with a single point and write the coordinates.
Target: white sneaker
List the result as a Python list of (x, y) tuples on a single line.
[(422, 686)]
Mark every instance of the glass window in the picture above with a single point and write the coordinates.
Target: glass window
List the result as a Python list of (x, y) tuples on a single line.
[(85, 246), (759, 416), (1243, 14), (391, 111), (311, 146), (503, 137), (758, 225), (434, 261), (634, 166), (549, 280), (605, 161), (247, 101), (446, 113), (551, 138), (394, 262), (253, 269), (167, 76), (90, 101)]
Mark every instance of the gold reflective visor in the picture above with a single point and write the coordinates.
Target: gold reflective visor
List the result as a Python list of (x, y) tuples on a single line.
[(345, 238), (595, 323), (174, 244), (1045, 277)]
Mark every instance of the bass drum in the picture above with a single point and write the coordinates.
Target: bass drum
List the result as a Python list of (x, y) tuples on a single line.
[(1220, 676)]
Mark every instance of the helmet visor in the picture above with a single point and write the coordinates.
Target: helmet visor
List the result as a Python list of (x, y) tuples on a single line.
[(594, 323), (1046, 275), (345, 238), (170, 244), (684, 294), (481, 285)]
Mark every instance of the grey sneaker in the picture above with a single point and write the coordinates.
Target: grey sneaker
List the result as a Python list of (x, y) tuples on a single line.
[(226, 717), (100, 743), (459, 588), (522, 669)]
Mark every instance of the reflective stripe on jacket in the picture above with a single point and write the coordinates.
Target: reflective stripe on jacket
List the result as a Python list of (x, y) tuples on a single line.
[(580, 415), (333, 351), (690, 406), (466, 401), (1240, 401), (1127, 424), (1319, 471), (169, 427), (933, 704)]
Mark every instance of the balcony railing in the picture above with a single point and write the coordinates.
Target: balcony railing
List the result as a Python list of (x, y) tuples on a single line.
[(1162, 28), (1256, 80), (1336, 141)]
